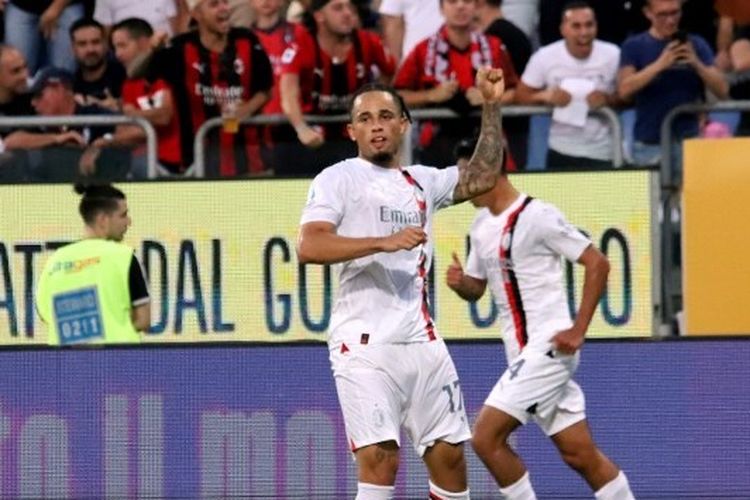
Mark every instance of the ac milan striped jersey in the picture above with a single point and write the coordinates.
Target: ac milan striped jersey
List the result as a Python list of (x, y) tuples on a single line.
[(519, 253), (202, 81), (279, 42), (381, 297)]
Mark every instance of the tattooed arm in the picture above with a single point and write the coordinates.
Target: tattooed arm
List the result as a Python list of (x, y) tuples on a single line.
[(481, 172)]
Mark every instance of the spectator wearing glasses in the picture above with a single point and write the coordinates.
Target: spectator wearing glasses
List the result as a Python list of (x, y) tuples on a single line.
[(661, 69)]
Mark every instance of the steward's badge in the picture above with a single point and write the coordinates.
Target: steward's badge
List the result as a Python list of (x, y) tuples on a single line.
[(78, 316)]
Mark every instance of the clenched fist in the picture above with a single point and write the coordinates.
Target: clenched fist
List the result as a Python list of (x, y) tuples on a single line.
[(491, 83), (406, 239)]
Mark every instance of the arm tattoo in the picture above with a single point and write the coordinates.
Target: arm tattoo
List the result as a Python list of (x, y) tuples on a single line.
[(481, 172)]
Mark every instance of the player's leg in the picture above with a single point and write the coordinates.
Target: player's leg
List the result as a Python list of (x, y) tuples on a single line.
[(579, 451), (377, 467), (566, 425), (529, 387), (372, 416), (446, 465), (490, 441), (436, 420)]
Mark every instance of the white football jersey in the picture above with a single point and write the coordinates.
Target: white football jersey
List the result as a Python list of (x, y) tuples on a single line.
[(518, 253), (381, 298)]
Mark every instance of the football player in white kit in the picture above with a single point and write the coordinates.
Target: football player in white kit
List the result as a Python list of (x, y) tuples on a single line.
[(373, 218), (516, 248)]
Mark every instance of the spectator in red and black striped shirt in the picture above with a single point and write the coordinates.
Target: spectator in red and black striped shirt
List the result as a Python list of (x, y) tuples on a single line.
[(278, 37), (440, 71), (319, 74), (132, 40), (209, 70)]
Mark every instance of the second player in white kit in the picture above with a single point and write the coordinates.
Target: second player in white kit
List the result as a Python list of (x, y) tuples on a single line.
[(518, 254), (517, 246)]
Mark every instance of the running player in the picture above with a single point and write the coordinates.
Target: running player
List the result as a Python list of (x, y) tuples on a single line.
[(516, 245)]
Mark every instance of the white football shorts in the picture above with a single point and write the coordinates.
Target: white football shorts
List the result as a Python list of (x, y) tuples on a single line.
[(539, 386), (384, 386)]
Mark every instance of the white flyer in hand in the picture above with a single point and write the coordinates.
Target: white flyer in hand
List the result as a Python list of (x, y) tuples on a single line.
[(577, 110)]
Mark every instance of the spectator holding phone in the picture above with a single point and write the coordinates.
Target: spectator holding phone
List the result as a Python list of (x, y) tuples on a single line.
[(661, 69)]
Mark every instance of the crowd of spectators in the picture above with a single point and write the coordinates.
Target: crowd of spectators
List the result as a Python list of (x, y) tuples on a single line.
[(179, 63)]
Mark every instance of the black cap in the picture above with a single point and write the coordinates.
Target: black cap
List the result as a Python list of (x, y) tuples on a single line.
[(49, 76)]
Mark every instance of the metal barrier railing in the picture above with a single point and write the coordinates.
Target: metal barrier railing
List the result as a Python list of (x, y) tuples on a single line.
[(667, 173), (199, 166), (670, 287), (94, 121)]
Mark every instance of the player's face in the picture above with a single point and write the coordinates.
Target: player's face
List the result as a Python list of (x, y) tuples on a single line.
[(337, 17), (117, 222), (126, 47), (213, 15), (89, 47), (664, 16), (14, 74), (578, 28), (377, 126), (266, 7), (459, 13)]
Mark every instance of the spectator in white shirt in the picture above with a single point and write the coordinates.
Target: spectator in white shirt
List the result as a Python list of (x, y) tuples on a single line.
[(577, 71), (160, 14)]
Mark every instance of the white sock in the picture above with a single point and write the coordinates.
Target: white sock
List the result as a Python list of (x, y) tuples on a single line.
[(617, 489), (367, 491), (438, 493), (520, 490)]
